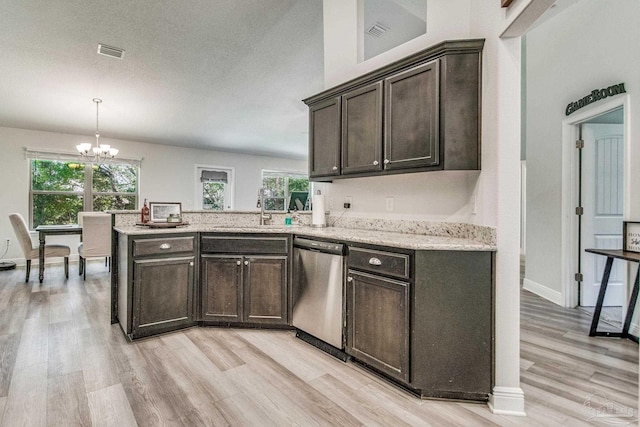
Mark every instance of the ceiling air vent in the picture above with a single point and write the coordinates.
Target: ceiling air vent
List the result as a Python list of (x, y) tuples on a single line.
[(111, 51), (377, 30)]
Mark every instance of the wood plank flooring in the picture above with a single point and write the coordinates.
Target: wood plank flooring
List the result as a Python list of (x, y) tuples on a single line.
[(63, 364)]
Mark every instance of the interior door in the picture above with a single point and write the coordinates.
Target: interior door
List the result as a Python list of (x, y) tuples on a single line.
[(602, 200)]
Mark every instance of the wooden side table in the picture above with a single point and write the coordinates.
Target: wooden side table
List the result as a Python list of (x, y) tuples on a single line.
[(611, 255)]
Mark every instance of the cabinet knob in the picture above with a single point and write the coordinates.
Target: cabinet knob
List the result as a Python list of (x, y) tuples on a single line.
[(191, 264), (349, 279), (375, 163), (375, 261), (165, 246), (238, 262), (335, 168), (387, 161), (246, 263)]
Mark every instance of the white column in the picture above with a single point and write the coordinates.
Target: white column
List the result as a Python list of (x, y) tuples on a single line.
[(507, 397)]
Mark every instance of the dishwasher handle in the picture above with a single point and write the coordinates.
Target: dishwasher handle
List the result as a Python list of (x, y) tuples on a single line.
[(319, 246)]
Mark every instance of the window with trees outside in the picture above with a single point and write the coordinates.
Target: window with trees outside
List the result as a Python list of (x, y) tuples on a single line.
[(60, 189), (214, 188), (278, 187)]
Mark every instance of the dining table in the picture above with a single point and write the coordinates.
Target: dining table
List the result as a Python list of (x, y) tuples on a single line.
[(52, 230)]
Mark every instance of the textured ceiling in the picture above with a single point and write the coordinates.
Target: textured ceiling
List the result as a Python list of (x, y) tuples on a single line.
[(219, 74)]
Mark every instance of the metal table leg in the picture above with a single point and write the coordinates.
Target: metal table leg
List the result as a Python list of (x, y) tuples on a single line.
[(598, 309), (632, 306)]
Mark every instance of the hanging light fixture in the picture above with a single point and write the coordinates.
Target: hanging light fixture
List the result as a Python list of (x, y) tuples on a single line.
[(100, 152)]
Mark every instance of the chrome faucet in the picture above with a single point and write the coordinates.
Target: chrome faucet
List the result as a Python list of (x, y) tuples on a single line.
[(264, 218)]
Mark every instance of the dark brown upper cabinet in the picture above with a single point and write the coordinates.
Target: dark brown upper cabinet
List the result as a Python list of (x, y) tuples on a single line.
[(324, 138), (362, 129), (421, 113), (411, 118)]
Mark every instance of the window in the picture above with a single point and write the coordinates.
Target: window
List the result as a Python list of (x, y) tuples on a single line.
[(278, 187), (61, 188), (214, 188)]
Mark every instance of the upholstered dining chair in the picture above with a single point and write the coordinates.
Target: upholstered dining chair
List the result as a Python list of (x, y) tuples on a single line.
[(50, 251), (96, 239)]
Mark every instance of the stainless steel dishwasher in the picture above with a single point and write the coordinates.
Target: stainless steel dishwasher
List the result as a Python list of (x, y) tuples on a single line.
[(318, 294)]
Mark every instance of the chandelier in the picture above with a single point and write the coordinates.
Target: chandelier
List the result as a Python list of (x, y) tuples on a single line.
[(99, 152)]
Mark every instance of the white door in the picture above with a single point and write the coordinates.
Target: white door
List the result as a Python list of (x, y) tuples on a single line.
[(602, 200)]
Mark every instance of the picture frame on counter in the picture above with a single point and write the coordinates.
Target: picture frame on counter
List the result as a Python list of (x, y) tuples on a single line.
[(631, 236), (160, 211)]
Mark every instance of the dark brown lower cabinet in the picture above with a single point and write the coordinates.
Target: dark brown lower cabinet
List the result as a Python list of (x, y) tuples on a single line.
[(265, 289), (452, 348), (423, 318), (248, 289), (222, 288), (378, 323), (156, 283), (162, 293)]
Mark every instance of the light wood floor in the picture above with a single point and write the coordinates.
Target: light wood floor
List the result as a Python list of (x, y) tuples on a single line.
[(63, 364)]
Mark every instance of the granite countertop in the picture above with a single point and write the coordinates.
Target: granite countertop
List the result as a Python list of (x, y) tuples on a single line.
[(375, 237)]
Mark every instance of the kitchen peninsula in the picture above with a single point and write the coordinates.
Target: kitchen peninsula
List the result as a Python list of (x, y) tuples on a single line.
[(422, 316)]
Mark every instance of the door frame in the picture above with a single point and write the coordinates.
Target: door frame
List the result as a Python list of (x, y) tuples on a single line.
[(569, 261)]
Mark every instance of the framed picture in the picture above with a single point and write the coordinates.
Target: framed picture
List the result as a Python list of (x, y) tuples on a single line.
[(160, 211), (631, 236)]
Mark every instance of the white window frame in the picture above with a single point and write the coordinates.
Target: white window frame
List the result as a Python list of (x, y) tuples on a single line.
[(229, 191)]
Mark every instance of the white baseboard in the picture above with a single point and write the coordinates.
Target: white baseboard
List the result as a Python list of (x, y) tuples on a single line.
[(542, 291), (634, 329), (507, 401), (21, 262)]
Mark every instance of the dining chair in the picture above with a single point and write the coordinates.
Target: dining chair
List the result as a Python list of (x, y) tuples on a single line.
[(24, 238), (96, 239)]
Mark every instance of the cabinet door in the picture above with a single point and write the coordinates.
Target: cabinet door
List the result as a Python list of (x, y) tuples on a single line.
[(221, 288), (162, 294), (362, 129), (265, 289), (411, 136), (378, 323), (324, 138)]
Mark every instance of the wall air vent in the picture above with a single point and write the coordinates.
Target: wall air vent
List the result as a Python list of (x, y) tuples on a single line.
[(377, 30), (111, 51)]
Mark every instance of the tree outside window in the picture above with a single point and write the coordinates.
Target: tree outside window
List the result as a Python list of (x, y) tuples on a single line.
[(213, 196), (61, 189), (278, 187)]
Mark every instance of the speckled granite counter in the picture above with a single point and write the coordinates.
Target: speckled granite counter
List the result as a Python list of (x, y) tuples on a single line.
[(375, 237)]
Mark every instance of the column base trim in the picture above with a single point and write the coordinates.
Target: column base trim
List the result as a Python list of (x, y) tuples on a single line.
[(507, 401)]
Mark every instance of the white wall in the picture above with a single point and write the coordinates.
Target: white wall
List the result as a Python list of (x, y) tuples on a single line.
[(489, 197), (431, 196), (446, 19), (167, 173), (591, 44)]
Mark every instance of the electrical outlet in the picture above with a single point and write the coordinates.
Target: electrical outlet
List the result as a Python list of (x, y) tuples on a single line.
[(389, 203), (347, 202)]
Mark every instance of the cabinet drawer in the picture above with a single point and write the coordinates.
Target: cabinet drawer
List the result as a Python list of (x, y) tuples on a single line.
[(380, 262), (161, 246), (245, 245)]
